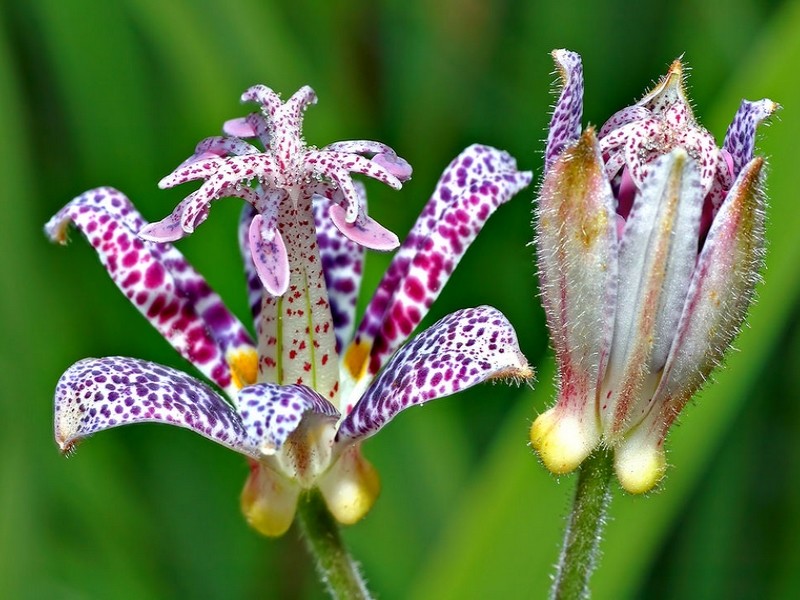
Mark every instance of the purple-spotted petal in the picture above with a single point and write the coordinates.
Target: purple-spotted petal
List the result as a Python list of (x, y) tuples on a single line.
[(463, 349), (159, 281), (478, 181), (740, 138), (269, 255), (99, 393), (342, 264), (565, 124), (272, 412)]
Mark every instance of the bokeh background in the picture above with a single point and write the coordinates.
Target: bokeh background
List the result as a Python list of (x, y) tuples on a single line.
[(117, 93)]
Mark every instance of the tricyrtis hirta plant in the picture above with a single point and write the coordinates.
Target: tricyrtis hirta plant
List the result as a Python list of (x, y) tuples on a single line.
[(299, 401), (649, 241)]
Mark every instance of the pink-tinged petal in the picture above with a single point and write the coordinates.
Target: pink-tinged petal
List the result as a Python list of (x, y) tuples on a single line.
[(657, 256), (576, 241), (365, 231), (271, 412), (255, 288), (99, 393), (463, 349), (159, 281), (268, 252), (740, 138), (565, 124), (297, 343), (342, 264), (478, 181)]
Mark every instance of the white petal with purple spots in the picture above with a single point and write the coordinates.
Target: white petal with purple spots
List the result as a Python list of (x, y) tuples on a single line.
[(158, 280), (464, 348), (96, 394), (272, 412)]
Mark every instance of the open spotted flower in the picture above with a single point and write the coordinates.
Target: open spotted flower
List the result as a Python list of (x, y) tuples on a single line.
[(296, 411), (649, 240), (286, 171)]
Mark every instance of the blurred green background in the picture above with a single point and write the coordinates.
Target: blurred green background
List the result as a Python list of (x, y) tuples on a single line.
[(117, 93)]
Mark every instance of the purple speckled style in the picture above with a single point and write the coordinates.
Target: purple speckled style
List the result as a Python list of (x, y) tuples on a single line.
[(286, 168), (302, 235)]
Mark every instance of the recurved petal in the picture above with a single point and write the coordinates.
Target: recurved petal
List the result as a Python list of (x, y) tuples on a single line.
[(740, 138), (472, 187), (96, 394), (576, 249), (464, 348), (161, 283), (565, 124), (272, 412)]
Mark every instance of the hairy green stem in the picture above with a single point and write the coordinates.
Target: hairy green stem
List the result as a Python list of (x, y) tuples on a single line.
[(580, 552), (336, 568)]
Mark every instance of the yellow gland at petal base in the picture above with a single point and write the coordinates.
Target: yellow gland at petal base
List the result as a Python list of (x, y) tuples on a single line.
[(562, 441), (639, 466), (351, 487), (269, 500)]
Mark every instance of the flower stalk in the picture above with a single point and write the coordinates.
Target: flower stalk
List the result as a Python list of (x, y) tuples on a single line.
[(336, 568), (584, 531)]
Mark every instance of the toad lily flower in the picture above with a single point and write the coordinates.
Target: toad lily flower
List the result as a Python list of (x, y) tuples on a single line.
[(649, 239), (296, 411)]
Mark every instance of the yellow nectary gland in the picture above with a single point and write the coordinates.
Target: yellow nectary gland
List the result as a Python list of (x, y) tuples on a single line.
[(562, 441), (351, 487)]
